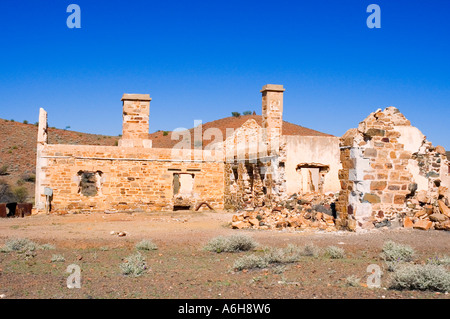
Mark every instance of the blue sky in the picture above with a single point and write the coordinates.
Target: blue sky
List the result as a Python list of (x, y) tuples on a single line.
[(204, 60)]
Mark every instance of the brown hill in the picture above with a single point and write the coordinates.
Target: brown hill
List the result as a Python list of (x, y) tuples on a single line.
[(163, 139), (18, 145), (18, 150)]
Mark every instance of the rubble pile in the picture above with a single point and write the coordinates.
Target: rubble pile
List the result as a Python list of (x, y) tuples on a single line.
[(429, 210), (306, 211)]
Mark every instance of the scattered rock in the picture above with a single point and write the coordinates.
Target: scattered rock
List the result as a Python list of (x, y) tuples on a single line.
[(423, 224)]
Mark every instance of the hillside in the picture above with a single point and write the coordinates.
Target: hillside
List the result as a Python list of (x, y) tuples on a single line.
[(18, 145), (159, 140), (18, 150)]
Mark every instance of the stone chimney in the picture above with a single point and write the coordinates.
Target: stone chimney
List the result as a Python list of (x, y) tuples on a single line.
[(272, 114), (135, 127)]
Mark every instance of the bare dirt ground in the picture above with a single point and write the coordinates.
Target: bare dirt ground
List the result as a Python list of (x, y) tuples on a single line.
[(180, 268)]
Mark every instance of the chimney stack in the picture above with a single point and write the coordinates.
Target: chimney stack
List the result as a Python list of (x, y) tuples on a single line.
[(272, 114), (135, 126)]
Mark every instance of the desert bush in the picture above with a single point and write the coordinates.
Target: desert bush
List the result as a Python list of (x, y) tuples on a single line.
[(310, 250), (251, 262), (30, 178), (146, 244), (4, 170), (232, 244), (58, 259), (20, 244), (6, 195), (272, 257), (20, 193), (334, 252), (421, 277), (25, 122), (287, 255), (247, 112), (352, 281), (134, 265), (397, 252), (235, 114), (444, 261), (165, 133), (47, 247)]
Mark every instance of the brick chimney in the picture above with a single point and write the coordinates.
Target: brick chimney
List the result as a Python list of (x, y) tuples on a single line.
[(272, 114), (135, 127)]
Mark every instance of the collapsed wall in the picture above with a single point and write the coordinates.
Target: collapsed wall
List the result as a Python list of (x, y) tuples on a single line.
[(391, 176)]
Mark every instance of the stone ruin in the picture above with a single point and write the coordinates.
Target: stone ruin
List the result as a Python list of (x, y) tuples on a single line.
[(391, 177), (382, 174)]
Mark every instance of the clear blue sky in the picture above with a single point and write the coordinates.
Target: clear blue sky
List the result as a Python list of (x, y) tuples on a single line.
[(206, 59)]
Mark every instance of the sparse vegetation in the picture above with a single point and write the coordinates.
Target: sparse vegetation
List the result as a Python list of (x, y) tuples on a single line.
[(421, 277), (146, 244), (232, 244), (134, 265), (444, 261), (235, 114), (47, 247), (25, 122), (310, 250), (272, 257), (4, 170), (352, 281), (395, 252), (20, 193), (165, 133), (334, 252), (30, 178), (57, 258), (247, 113), (20, 245)]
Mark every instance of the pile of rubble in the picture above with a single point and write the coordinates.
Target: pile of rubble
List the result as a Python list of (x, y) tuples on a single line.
[(429, 210), (308, 211)]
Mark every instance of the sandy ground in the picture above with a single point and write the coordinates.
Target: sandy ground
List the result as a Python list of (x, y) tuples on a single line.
[(181, 262)]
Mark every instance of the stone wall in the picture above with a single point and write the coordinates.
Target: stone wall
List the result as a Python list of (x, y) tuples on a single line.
[(127, 178), (385, 162)]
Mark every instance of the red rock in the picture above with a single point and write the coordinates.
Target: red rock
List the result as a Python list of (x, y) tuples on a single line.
[(254, 221), (423, 224), (240, 225), (407, 222), (443, 208)]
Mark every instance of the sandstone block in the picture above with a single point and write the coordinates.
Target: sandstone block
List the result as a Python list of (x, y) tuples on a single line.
[(407, 222), (423, 224)]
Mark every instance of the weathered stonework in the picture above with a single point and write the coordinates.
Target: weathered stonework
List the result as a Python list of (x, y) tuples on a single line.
[(382, 172)]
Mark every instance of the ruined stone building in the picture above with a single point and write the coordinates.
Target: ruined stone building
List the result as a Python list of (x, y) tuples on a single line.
[(384, 171), (256, 163)]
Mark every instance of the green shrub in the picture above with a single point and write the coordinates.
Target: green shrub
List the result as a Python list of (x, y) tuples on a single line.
[(134, 265), (165, 133), (25, 122), (231, 244), (397, 252), (421, 277), (247, 113), (146, 244), (20, 193), (235, 114), (334, 252)]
